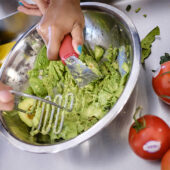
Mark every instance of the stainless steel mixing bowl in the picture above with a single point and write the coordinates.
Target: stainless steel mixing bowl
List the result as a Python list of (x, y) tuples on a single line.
[(104, 25)]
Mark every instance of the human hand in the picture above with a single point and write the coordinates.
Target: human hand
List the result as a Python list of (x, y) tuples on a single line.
[(60, 18), (6, 98), (33, 9)]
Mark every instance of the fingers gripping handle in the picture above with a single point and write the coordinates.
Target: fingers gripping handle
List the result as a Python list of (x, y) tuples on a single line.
[(66, 49)]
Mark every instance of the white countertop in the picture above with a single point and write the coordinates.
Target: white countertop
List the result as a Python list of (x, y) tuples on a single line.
[(109, 150)]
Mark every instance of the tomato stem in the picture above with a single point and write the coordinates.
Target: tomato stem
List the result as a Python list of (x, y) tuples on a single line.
[(138, 125), (164, 58)]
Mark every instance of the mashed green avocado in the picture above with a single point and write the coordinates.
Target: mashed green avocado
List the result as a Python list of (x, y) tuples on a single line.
[(91, 102)]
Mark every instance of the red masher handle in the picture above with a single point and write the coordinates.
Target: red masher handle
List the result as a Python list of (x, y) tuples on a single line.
[(66, 49)]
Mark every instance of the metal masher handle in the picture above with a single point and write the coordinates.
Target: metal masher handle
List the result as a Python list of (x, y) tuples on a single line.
[(38, 98)]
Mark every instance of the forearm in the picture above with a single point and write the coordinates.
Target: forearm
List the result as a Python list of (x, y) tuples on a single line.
[(65, 1)]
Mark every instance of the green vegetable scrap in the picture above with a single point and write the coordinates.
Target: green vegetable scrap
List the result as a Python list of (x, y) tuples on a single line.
[(37, 86), (92, 64), (145, 15), (98, 51), (91, 102), (137, 10), (146, 43), (41, 60), (128, 8)]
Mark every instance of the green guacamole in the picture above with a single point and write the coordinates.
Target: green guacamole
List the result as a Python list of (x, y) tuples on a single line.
[(91, 103)]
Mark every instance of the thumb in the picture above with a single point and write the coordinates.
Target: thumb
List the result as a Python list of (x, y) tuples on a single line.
[(77, 36), (6, 96)]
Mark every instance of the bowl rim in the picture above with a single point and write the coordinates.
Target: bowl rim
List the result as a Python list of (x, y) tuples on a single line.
[(111, 114)]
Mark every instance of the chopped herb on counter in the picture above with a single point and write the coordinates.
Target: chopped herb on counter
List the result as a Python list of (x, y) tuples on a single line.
[(128, 8), (146, 43), (137, 10), (145, 15)]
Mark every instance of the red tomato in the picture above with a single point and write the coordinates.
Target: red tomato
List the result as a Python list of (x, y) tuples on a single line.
[(165, 163), (153, 140), (161, 82)]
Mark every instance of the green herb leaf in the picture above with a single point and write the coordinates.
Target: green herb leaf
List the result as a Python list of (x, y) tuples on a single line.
[(146, 43), (145, 15), (137, 10), (128, 8)]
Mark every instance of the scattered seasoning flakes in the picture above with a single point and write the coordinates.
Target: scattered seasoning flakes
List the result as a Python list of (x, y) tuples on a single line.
[(128, 8), (137, 10), (145, 15)]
